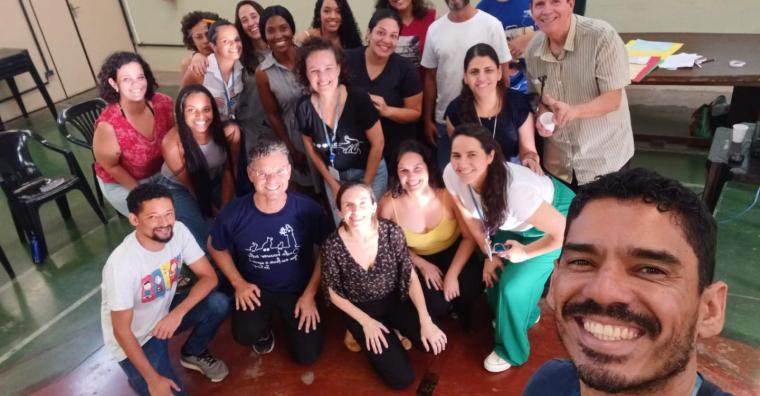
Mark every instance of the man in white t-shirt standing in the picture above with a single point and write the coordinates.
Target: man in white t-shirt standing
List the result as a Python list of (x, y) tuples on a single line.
[(139, 310), (446, 43)]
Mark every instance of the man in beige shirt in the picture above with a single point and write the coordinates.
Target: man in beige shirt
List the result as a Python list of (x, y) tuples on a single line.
[(580, 66)]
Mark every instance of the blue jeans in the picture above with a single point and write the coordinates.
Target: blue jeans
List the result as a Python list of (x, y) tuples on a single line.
[(443, 146), (379, 184), (204, 318), (189, 212)]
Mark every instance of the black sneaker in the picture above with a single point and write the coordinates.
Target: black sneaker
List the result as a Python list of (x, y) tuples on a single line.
[(264, 344)]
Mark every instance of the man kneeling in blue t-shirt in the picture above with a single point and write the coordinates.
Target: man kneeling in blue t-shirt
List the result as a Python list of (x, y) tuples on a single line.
[(633, 290), (265, 244)]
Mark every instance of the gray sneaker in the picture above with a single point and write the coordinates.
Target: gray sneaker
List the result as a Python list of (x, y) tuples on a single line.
[(264, 344), (213, 368)]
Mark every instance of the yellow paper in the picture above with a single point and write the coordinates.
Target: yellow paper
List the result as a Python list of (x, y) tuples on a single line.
[(638, 48)]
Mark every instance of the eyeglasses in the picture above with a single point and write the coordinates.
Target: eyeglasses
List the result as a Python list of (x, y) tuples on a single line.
[(265, 174)]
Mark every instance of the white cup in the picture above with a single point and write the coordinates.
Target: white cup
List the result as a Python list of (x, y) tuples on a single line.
[(737, 135), (547, 120)]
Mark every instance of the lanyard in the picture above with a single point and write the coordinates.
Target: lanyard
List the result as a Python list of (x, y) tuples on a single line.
[(227, 98), (330, 140), (486, 231)]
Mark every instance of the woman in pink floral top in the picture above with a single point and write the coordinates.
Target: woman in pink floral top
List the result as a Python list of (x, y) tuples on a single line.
[(128, 134)]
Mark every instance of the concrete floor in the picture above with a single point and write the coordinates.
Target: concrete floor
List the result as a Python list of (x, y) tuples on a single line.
[(50, 340)]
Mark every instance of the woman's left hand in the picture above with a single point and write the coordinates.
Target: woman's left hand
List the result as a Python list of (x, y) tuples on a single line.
[(516, 252), (380, 105), (432, 337)]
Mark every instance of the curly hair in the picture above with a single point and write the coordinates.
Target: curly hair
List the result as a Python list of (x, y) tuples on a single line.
[(145, 192), (413, 146), (189, 21), (348, 30), (195, 161), (493, 193), (668, 196), (466, 110), (314, 44), (420, 8), (112, 64), (273, 11), (249, 58)]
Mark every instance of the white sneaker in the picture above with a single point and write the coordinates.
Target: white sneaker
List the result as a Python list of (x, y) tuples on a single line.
[(495, 364)]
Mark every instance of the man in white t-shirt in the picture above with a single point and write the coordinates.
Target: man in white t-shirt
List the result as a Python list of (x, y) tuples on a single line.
[(446, 44), (139, 310)]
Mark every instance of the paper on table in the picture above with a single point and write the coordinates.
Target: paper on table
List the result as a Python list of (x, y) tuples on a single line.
[(662, 49), (679, 60)]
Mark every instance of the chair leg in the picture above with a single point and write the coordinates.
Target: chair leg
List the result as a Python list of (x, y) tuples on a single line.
[(19, 222), (85, 189), (63, 206), (98, 192), (17, 95), (6, 264)]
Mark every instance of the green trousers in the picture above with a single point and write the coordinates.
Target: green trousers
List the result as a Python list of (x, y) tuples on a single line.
[(514, 300)]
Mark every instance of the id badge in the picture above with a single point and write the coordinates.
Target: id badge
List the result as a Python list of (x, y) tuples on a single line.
[(334, 173)]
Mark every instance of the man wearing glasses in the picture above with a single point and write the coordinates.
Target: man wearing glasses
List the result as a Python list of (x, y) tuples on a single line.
[(264, 243)]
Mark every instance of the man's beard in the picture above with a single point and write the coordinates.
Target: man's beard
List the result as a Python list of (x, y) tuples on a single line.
[(678, 351), (157, 238)]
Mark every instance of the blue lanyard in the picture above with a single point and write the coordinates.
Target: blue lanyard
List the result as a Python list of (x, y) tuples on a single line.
[(227, 98), (333, 139)]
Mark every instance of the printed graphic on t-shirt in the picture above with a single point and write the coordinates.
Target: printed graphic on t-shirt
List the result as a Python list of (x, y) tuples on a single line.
[(159, 281), (409, 48), (274, 250)]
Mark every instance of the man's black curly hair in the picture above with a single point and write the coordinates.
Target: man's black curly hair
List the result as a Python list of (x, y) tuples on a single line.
[(145, 192), (112, 64), (191, 19), (667, 195)]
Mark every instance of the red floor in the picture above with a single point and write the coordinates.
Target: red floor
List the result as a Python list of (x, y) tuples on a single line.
[(732, 365)]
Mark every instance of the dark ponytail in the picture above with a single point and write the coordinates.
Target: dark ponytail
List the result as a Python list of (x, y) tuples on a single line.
[(493, 193)]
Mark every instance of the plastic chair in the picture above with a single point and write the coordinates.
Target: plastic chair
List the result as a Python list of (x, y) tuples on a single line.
[(26, 188), (6, 264), (80, 119)]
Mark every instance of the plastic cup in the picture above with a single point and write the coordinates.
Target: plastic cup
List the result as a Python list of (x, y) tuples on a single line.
[(547, 120), (737, 135)]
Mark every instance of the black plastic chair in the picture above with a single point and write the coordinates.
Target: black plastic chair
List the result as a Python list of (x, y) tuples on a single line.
[(77, 125), (27, 189), (6, 264)]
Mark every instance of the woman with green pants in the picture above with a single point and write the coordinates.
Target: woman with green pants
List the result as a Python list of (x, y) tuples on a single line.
[(518, 217)]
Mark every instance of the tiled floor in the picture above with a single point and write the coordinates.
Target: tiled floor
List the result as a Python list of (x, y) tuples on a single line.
[(50, 340)]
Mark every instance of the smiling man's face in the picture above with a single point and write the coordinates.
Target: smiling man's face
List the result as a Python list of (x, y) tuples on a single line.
[(626, 296), (552, 16)]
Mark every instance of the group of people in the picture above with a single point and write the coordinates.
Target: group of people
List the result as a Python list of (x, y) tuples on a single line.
[(302, 170)]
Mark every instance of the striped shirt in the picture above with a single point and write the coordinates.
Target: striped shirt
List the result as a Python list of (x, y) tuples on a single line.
[(593, 61)]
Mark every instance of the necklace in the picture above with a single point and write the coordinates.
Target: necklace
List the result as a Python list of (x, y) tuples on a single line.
[(495, 119)]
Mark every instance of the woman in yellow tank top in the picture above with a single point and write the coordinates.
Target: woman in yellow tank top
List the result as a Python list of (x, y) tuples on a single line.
[(440, 245)]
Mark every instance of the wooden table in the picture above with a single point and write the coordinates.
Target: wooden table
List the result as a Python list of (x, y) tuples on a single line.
[(17, 61), (720, 170), (745, 99)]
